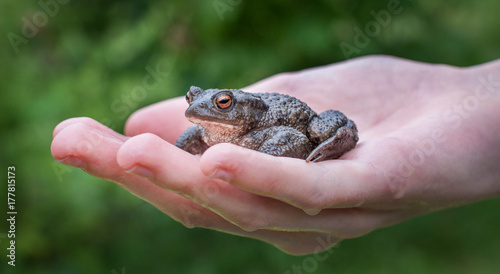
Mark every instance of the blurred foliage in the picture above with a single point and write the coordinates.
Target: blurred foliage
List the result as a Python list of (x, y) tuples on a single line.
[(86, 58)]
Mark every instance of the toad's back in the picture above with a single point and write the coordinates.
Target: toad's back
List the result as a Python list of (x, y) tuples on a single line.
[(286, 111)]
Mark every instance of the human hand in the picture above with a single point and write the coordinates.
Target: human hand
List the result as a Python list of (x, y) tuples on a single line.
[(428, 140)]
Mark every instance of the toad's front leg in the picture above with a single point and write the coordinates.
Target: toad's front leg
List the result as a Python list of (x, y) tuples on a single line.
[(191, 140), (334, 133)]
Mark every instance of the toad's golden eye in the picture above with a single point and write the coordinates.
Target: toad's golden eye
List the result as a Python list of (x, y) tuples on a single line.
[(223, 101), (188, 97)]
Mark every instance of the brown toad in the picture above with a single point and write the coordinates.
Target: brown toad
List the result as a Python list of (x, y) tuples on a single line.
[(272, 123)]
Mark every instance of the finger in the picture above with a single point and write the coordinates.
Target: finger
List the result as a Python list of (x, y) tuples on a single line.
[(309, 186), (165, 119), (87, 121), (149, 156), (98, 153), (83, 142), (169, 167)]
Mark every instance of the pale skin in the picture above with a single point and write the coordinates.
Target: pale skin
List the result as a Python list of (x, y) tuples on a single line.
[(429, 140)]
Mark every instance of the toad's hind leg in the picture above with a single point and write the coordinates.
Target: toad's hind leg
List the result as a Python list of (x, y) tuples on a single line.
[(334, 133), (286, 142)]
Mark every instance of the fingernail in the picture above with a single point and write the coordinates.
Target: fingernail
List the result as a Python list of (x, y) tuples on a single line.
[(221, 174), (141, 171), (72, 161)]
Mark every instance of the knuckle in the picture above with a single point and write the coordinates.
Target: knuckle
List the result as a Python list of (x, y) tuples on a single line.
[(191, 216), (392, 175), (395, 188), (204, 195)]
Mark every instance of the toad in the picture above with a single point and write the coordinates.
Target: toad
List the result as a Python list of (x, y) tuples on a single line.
[(272, 123)]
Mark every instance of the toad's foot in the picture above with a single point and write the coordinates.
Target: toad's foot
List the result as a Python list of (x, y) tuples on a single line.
[(344, 140), (191, 140)]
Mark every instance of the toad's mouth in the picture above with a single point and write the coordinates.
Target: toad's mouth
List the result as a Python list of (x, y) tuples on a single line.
[(215, 124)]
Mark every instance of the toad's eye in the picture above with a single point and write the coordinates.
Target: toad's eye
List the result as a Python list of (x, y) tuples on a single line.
[(188, 97), (223, 101)]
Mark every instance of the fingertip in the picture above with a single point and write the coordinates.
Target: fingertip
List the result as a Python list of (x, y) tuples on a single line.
[(71, 121), (159, 119), (212, 159), (225, 158), (146, 119), (65, 142), (55, 150), (80, 137), (135, 151), (136, 122)]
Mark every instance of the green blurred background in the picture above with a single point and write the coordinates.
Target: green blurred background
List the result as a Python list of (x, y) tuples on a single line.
[(86, 58)]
